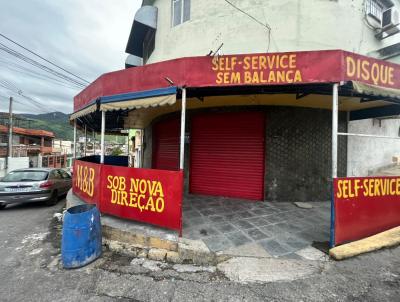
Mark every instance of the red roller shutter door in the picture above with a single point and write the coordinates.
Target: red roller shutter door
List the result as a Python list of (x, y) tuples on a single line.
[(228, 154), (166, 136)]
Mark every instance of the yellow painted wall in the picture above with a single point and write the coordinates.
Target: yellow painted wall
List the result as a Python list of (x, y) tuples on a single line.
[(143, 117)]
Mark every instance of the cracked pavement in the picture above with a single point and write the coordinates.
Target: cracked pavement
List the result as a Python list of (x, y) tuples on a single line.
[(30, 270)]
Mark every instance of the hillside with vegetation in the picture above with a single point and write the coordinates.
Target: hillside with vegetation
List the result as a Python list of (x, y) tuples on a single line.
[(57, 122)]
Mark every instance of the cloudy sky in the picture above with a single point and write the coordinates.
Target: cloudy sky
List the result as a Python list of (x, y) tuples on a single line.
[(85, 37)]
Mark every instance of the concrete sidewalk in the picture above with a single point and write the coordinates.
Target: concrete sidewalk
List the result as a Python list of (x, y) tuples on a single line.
[(246, 242), (281, 229), (217, 229)]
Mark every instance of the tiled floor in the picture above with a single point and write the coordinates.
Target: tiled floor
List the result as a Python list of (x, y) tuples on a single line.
[(280, 228)]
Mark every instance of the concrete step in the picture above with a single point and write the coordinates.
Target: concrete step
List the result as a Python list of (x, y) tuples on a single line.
[(142, 240)]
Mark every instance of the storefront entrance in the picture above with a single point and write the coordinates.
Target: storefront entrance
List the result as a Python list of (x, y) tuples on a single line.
[(166, 135), (227, 154)]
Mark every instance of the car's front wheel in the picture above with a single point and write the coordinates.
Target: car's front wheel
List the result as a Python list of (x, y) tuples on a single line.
[(53, 199), (2, 206)]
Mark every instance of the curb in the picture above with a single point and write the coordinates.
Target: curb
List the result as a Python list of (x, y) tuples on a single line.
[(385, 239), (138, 240)]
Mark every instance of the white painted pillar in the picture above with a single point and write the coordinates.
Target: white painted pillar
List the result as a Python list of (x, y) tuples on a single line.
[(94, 142), (103, 130), (183, 122), (335, 117), (74, 153), (85, 145), (10, 129), (141, 148)]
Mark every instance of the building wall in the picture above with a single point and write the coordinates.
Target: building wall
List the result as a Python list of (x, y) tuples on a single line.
[(61, 146), (375, 153), (295, 25), (15, 163), (298, 152), (3, 165), (148, 146)]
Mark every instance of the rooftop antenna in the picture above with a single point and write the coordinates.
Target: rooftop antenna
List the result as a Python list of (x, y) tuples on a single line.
[(216, 53)]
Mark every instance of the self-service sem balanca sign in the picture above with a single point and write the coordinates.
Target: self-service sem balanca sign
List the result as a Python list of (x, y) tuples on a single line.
[(143, 194), (258, 69)]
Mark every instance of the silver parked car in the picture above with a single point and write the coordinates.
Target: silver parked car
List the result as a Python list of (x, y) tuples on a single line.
[(34, 185)]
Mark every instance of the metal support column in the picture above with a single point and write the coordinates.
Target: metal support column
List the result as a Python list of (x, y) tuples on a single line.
[(103, 129), (335, 116), (141, 164), (183, 121), (74, 153)]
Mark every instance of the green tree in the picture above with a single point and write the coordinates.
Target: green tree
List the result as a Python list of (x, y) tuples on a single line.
[(116, 151)]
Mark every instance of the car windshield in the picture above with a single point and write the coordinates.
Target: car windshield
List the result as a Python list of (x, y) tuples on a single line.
[(25, 176)]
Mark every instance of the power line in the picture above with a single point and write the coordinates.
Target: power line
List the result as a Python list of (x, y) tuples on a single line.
[(266, 25), (20, 102), (11, 85), (33, 105), (22, 69), (35, 102), (4, 85), (13, 88), (39, 65), (247, 14), (44, 59)]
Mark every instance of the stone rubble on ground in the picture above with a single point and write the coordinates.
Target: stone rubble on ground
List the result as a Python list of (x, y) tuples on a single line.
[(58, 216), (34, 238), (311, 253), (303, 205), (153, 265), (156, 266), (157, 254), (36, 251), (187, 268), (262, 270)]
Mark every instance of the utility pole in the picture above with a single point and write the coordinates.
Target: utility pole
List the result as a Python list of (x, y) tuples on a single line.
[(10, 129)]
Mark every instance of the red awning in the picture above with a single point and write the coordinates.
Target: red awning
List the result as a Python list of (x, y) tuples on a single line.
[(370, 76)]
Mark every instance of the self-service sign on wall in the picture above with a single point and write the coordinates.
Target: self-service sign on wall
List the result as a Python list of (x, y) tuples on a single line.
[(364, 207)]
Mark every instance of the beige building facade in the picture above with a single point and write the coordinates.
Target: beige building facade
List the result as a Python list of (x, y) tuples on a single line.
[(199, 27)]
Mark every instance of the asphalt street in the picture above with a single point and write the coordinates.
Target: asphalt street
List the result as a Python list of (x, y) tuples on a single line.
[(30, 270)]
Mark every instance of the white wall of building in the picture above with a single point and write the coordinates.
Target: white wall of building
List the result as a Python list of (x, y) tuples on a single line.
[(64, 147), (366, 155), (295, 25), (3, 167), (15, 163)]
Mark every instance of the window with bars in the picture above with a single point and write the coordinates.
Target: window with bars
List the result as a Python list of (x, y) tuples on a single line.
[(3, 138), (180, 11), (375, 8)]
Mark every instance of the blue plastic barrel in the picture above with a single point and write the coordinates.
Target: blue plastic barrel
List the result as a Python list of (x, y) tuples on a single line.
[(81, 236)]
